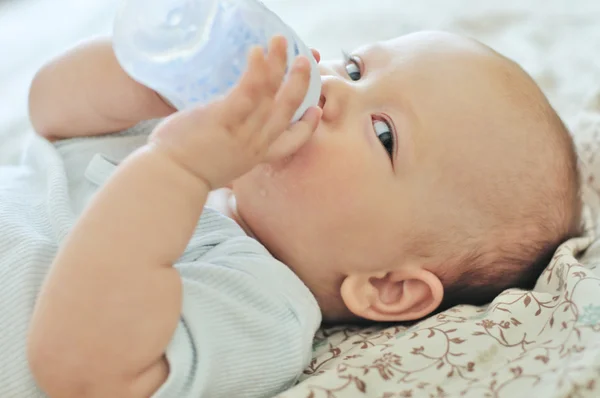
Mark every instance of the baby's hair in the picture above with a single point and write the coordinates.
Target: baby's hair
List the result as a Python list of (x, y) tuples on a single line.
[(480, 282), (518, 259)]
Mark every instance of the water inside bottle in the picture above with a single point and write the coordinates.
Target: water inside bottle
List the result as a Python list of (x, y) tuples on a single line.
[(181, 32), (193, 51)]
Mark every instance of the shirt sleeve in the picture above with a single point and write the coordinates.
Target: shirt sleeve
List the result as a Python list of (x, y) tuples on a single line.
[(239, 336)]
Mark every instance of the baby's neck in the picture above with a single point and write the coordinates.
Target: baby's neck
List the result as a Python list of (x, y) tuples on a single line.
[(223, 201)]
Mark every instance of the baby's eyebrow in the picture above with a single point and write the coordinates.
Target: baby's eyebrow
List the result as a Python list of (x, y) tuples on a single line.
[(371, 50)]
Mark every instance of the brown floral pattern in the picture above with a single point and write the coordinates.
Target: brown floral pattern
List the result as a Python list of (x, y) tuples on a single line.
[(544, 343)]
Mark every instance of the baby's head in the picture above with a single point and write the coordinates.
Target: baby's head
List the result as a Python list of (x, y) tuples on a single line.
[(439, 175)]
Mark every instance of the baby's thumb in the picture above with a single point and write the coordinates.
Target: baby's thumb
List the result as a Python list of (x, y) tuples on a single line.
[(296, 136)]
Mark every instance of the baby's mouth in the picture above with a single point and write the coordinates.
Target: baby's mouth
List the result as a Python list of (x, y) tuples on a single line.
[(322, 101)]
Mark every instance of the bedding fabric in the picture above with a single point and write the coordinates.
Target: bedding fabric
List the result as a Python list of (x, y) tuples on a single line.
[(544, 343)]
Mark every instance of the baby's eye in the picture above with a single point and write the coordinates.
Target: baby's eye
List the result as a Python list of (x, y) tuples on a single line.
[(352, 67), (385, 133)]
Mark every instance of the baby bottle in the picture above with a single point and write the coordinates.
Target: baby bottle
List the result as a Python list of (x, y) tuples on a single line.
[(192, 51)]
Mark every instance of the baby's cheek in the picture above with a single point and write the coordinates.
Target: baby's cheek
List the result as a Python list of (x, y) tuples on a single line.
[(325, 169)]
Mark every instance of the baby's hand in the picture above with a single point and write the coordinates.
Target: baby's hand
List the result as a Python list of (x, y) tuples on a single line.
[(223, 140)]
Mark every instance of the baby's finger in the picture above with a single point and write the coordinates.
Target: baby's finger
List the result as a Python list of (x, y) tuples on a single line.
[(277, 61), (242, 100), (296, 136), (276, 66), (289, 98)]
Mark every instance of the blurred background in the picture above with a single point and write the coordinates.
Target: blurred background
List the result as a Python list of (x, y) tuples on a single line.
[(556, 41)]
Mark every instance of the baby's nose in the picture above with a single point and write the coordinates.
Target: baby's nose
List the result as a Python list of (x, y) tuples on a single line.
[(334, 97)]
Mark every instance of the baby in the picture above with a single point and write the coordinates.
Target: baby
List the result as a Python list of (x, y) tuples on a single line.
[(150, 262)]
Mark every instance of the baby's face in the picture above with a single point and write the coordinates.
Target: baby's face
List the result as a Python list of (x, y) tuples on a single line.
[(394, 150)]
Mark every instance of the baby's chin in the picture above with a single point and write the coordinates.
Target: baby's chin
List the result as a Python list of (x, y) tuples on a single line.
[(274, 185), (261, 189), (253, 185), (265, 175)]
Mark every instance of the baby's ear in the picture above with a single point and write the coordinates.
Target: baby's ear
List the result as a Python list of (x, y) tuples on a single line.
[(401, 295)]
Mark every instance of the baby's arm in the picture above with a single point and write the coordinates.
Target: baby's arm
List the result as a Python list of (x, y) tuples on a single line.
[(85, 92), (112, 299)]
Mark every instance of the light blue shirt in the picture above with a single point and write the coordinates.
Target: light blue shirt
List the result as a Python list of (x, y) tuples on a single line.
[(247, 322)]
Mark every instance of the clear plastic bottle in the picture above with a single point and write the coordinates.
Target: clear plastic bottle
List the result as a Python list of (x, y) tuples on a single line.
[(192, 51)]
